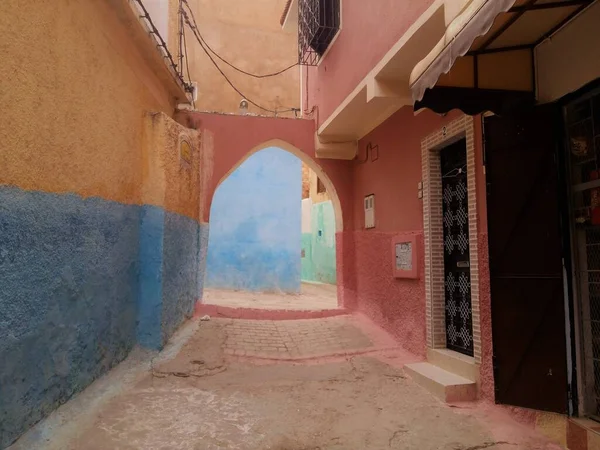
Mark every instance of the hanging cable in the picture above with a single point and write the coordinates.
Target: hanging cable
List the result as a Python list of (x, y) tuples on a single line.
[(196, 35), (161, 43), (187, 60), (224, 60)]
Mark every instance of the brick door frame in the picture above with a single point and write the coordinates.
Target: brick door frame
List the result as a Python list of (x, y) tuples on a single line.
[(435, 303)]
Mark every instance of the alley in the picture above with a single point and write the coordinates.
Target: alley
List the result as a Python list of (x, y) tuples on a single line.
[(332, 383)]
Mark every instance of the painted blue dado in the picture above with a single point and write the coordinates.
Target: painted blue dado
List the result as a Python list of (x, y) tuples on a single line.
[(172, 261), (184, 251), (81, 281), (68, 271), (255, 236), (149, 301)]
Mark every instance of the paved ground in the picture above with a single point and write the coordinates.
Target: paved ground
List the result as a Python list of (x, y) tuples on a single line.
[(312, 297), (193, 396), (289, 339)]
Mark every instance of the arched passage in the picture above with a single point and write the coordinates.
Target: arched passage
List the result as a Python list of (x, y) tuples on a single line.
[(255, 238), (228, 139), (302, 156)]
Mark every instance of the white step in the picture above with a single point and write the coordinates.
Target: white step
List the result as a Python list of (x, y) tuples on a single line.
[(445, 385)]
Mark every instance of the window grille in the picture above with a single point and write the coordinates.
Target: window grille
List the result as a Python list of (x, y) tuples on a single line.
[(318, 23)]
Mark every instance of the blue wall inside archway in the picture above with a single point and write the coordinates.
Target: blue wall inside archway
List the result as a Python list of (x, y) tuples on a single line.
[(255, 234)]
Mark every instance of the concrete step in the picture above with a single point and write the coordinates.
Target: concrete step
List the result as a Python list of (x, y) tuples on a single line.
[(445, 385), (454, 362)]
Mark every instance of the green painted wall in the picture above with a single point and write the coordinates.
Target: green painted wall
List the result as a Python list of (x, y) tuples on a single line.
[(318, 262)]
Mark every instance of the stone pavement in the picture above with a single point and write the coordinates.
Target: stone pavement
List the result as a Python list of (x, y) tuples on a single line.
[(292, 339), (192, 396), (312, 297)]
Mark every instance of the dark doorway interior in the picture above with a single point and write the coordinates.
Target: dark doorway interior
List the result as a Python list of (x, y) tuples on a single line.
[(457, 271), (528, 315)]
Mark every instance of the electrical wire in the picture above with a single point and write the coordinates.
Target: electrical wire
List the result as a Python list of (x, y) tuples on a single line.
[(227, 62), (161, 42), (196, 35), (187, 65)]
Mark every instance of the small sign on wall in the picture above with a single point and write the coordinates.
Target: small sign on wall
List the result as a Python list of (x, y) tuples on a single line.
[(185, 151), (405, 256)]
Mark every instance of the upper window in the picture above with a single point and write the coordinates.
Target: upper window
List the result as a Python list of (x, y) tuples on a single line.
[(318, 23)]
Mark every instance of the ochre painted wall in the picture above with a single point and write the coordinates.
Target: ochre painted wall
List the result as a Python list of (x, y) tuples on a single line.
[(99, 223), (74, 91), (247, 34)]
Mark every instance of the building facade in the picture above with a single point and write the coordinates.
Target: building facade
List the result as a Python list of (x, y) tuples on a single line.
[(468, 131), (237, 36), (101, 236), (456, 139)]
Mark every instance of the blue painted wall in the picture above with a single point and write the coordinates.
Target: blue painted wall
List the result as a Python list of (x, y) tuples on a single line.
[(255, 236), (184, 250), (81, 280), (69, 270)]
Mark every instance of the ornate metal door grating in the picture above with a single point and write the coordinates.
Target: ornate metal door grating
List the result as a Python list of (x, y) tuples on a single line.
[(583, 132), (457, 271)]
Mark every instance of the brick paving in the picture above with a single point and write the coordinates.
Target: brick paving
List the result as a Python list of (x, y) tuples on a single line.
[(293, 339)]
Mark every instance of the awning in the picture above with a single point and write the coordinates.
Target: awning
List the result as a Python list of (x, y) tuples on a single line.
[(489, 47), (476, 20)]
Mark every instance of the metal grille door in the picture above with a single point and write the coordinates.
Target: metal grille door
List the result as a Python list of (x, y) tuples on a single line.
[(457, 272), (583, 129)]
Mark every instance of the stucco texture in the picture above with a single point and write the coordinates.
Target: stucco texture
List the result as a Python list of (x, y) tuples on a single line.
[(254, 242), (69, 270), (77, 165), (367, 282), (74, 90), (248, 35), (223, 150), (173, 246)]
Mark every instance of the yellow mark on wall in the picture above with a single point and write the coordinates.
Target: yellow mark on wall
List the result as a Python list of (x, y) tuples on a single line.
[(185, 151)]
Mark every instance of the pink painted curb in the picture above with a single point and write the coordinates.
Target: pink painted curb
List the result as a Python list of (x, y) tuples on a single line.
[(226, 312)]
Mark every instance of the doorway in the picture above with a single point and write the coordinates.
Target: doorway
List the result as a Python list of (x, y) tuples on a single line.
[(457, 274), (526, 259)]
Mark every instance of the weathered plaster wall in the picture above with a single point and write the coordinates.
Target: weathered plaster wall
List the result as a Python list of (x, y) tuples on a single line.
[(69, 286), (173, 239), (247, 34), (369, 30), (224, 150), (79, 171), (254, 242), (74, 106), (398, 305), (318, 244)]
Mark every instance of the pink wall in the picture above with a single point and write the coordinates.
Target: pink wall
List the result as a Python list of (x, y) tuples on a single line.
[(398, 305), (365, 275), (233, 137), (369, 29)]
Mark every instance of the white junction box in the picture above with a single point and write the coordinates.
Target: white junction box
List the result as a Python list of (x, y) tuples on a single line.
[(370, 211)]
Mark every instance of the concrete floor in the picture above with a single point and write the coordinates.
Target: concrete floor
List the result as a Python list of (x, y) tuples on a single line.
[(197, 395), (312, 297)]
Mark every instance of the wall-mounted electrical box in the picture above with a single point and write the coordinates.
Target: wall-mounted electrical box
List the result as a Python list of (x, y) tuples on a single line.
[(370, 211), (405, 256)]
